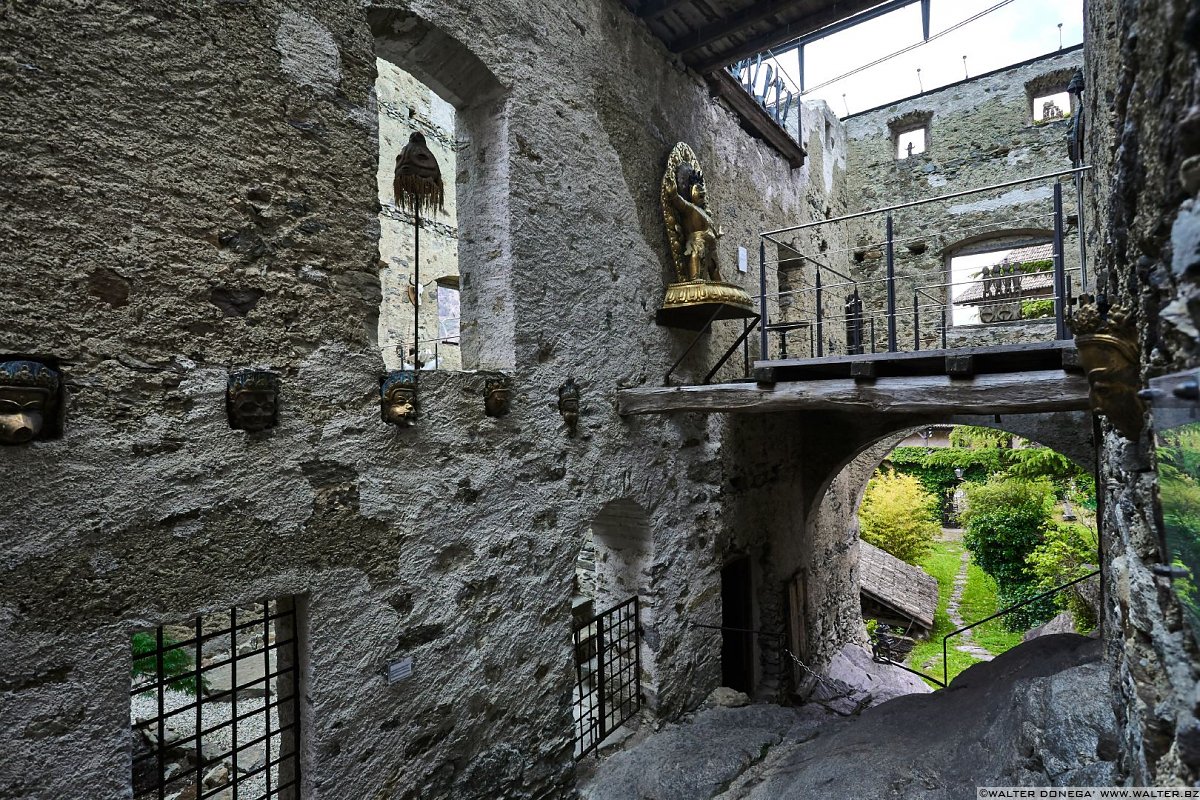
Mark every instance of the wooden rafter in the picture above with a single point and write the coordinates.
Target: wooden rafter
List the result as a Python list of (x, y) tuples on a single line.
[(728, 26), (653, 9), (826, 14)]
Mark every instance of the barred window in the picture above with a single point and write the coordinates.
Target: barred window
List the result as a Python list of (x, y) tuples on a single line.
[(214, 706)]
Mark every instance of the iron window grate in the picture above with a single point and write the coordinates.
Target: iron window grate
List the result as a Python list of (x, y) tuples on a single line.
[(608, 671), (215, 706)]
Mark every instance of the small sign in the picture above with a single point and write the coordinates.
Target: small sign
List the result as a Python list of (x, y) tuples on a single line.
[(399, 670), (741, 259)]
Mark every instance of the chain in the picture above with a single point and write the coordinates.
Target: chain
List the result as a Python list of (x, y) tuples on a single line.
[(812, 673)]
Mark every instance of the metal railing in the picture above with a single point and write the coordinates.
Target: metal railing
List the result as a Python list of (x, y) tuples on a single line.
[(1023, 603), (779, 95), (879, 652), (873, 312)]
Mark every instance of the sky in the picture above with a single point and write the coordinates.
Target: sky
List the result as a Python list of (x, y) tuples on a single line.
[(1017, 31)]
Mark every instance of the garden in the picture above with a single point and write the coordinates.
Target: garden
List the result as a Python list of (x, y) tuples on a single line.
[(996, 521)]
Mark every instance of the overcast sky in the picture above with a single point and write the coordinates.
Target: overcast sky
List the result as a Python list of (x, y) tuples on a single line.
[(1015, 32)]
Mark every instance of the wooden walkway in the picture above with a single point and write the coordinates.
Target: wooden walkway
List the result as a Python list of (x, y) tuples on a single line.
[(956, 362), (1005, 379)]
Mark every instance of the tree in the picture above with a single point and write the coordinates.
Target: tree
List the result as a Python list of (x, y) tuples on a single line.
[(975, 436), (899, 516), (1067, 551), (1006, 520)]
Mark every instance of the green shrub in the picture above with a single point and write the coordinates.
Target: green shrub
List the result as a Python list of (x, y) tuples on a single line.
[(899, 516), (174, 662), (1006, 520), (1067, 552), (1037, 309)]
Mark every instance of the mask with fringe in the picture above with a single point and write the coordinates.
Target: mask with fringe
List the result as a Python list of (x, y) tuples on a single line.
[(418, 177)]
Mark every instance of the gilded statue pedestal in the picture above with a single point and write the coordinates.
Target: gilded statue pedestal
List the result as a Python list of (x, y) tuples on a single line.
[(693, 304), (698, 296)]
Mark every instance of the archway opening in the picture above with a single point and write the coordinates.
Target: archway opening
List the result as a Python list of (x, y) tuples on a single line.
[(613, 622), (832, 527), (431, 84), (962, 522)]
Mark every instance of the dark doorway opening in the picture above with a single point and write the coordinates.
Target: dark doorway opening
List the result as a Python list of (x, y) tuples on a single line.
[(737, 619)]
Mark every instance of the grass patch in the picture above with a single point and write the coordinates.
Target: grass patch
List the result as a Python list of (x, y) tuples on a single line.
[(942, 563), (978, 601)]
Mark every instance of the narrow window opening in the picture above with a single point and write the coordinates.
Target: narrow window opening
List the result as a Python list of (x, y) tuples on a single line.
[(1049, 107), (215, 706), (420, 269), (448, 310)]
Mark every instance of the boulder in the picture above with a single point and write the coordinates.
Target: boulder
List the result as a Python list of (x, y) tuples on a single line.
[(725, 697), (1062, 623), (853, 681)]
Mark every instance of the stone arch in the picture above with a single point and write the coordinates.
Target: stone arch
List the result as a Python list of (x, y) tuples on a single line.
[(458, 75), (823, 553), (996, 240), (624, 554)]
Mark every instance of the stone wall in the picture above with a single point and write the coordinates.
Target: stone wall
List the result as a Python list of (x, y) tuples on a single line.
[(218, 208), (1143, 133), (407, 105), (980, 132)]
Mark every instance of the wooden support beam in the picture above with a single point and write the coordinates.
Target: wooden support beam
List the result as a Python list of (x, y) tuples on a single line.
[(863, 370), (1070, 361), (724, 86), (653, 9), (1002, 393), (728, 26), (825, 14), (960, 365)]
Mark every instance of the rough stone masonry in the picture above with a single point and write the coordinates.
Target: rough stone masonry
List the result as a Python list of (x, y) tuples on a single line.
[(216, 208)]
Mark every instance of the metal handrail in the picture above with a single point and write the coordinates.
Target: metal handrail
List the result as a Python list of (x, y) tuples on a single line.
[(945, 681), (923, 201), (1047, 593)]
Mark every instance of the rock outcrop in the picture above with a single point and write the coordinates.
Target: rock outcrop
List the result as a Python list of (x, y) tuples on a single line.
[(1038, 715)]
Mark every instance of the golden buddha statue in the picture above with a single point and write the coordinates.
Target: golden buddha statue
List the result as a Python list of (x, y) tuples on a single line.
[(698, 294)]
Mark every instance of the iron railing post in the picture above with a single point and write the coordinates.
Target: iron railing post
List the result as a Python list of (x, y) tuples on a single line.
[(945, 319), (762, 297), (745, 349), (872, 333), (1060, 275), (916, 322), (600, 704), (891, 288), (637, 646), (945, 668), (820, 335), (1083, 278)]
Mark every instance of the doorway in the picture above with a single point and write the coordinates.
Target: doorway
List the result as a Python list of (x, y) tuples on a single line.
[(737, 620)]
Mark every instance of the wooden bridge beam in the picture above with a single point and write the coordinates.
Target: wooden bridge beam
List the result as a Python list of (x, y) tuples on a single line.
[(1000, 393)]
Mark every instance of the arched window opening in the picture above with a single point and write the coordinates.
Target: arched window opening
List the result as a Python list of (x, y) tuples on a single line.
[(460, 286), (419, 269), (1004, 279)]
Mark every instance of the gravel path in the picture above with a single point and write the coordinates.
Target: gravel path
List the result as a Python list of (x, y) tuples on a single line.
[(181, 734)]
